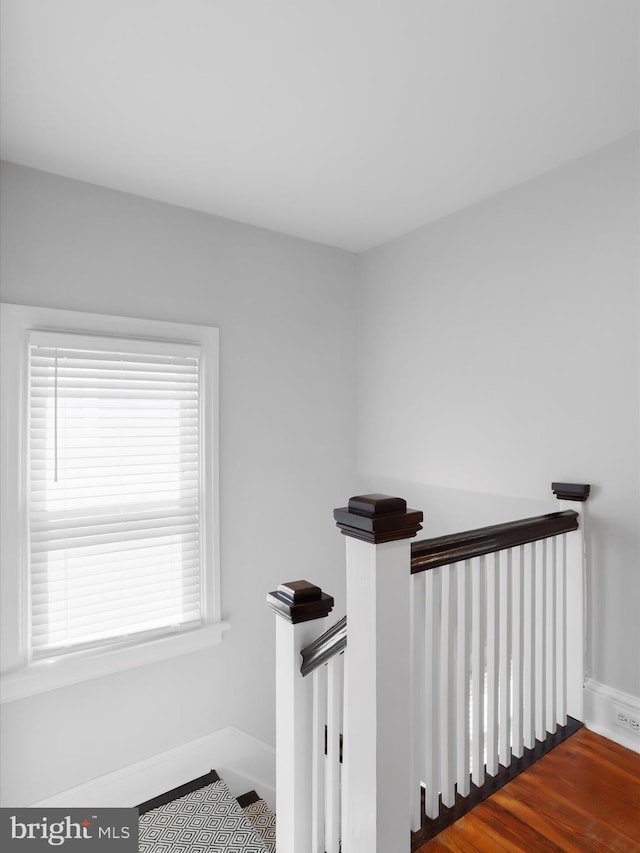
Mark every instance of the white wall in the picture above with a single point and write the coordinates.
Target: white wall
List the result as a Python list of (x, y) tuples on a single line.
[(499, 352), (286, 313)]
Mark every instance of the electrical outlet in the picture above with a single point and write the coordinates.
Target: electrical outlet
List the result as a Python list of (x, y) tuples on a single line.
[(622, 719), (625, 720)]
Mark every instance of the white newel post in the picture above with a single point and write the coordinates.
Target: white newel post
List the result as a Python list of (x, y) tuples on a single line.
[(571, 496), (301, 608), (377, 699)]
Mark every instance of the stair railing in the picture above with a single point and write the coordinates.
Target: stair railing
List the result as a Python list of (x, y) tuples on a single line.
[(459, 673), (309, 720), (498, 666)]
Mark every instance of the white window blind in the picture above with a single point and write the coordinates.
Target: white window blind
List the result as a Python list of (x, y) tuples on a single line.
[(114, 478)]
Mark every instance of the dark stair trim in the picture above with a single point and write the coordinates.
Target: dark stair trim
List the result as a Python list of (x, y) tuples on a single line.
[(432, 826), (180, 791), (248, 799)]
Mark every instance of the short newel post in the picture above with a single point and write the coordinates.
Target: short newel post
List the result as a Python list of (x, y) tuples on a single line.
[(299, 604), (571, 496), (377, 719)]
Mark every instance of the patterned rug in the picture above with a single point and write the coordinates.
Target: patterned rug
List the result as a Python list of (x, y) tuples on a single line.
[(203, 817), (262, 819)]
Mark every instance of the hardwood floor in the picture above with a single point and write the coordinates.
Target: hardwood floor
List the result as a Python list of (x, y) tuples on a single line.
[(584, 796)]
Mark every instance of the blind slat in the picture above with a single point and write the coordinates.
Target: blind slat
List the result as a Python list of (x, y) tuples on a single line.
[(111, 492), (80, 450), (109, 606), (131, 590), (105, 548), (169, 472), (56, 539), (98, 564), (185, 571), (112, 515)]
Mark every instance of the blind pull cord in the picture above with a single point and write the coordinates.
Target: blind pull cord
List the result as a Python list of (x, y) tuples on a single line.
[(55, 418)]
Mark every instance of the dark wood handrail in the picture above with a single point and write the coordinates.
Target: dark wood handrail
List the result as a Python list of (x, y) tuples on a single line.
[(443, 550), (321, 650)]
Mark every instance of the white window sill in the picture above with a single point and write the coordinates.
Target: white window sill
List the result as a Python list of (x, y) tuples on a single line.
[(73, 668)]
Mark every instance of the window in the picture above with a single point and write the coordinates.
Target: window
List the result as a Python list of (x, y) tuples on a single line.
[(114, 489), (110, 445)]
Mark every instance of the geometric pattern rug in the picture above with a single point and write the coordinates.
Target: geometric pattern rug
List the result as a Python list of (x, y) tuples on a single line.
[(264, 822), (207, 820)]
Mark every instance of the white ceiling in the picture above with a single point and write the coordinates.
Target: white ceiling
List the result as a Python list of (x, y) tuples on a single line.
[(348, 122)]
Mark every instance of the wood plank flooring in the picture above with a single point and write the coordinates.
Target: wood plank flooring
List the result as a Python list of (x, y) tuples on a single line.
[(584, 796)]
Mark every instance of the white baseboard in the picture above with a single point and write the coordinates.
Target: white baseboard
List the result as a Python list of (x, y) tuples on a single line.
[(246, 763), (600, 704), (242, 761)]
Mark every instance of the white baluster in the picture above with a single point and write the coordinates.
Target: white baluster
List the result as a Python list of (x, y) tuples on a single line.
[(541, 640), (478, 635), (418, 698), (463, 675), (432, 707), (550, 663), (506, 571), (318, 763), (493, 595), (561, 629), (335, 680), (517, 590), (447, 683), (528, 660)]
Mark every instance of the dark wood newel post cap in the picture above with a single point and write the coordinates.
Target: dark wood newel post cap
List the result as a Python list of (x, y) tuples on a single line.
[(378, 518), (300, 601), (571, 491)]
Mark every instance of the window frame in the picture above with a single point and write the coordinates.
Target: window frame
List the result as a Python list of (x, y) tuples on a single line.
[(22, 676)]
